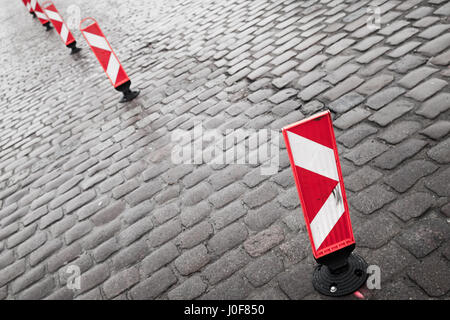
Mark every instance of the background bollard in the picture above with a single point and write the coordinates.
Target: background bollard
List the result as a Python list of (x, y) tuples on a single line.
[(108, 59), (60, 26), (43, 19), (314, 159), (28, 5)]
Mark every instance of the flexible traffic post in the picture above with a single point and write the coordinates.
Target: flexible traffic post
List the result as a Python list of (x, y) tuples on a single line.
[(28, 5), (42, 17), (107, 59), (61, 27), (313, 154)]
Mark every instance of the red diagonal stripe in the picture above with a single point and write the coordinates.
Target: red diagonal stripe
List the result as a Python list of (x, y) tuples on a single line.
[(315, 190), (95, 29), (57, 25), (102, 56), (70, 38), (121, 77), (317, 130)]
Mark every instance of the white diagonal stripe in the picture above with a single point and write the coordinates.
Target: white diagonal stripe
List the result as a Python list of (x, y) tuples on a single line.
[(327, 217), (33, 4), (53, 15), (41, 15), (28, 6), (97, 41), (113, 68), (64, 32), (313, 156)]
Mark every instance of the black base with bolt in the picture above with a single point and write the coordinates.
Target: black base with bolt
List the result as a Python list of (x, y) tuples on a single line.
[(128, 94), (340, 273), (74, 48)]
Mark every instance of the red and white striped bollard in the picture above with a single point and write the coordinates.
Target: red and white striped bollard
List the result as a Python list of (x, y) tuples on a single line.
[(314, 158), (60, 26), (43, 19), (108, 59), (28, 5)]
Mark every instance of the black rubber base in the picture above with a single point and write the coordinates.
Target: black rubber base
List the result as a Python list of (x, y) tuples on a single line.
[(33, 14), (342, 282), (73, 47), (75, 50), (128, 96), (47, 26)]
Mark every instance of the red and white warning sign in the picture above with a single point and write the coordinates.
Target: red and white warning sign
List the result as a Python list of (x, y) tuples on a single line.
[(313, 154), (104, 53), (39, 12), (58, 22)]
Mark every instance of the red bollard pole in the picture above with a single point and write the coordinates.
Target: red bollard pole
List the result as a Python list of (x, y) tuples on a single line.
[(108, 59), (60, 26), (43, 19), (314, 159)]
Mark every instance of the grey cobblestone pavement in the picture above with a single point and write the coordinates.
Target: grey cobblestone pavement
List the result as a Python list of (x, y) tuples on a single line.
[(87, 181)]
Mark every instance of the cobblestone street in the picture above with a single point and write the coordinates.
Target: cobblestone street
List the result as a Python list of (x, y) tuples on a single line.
[(89, 182)]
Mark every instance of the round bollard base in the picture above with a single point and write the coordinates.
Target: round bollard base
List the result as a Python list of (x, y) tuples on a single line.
[(343, 282)]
